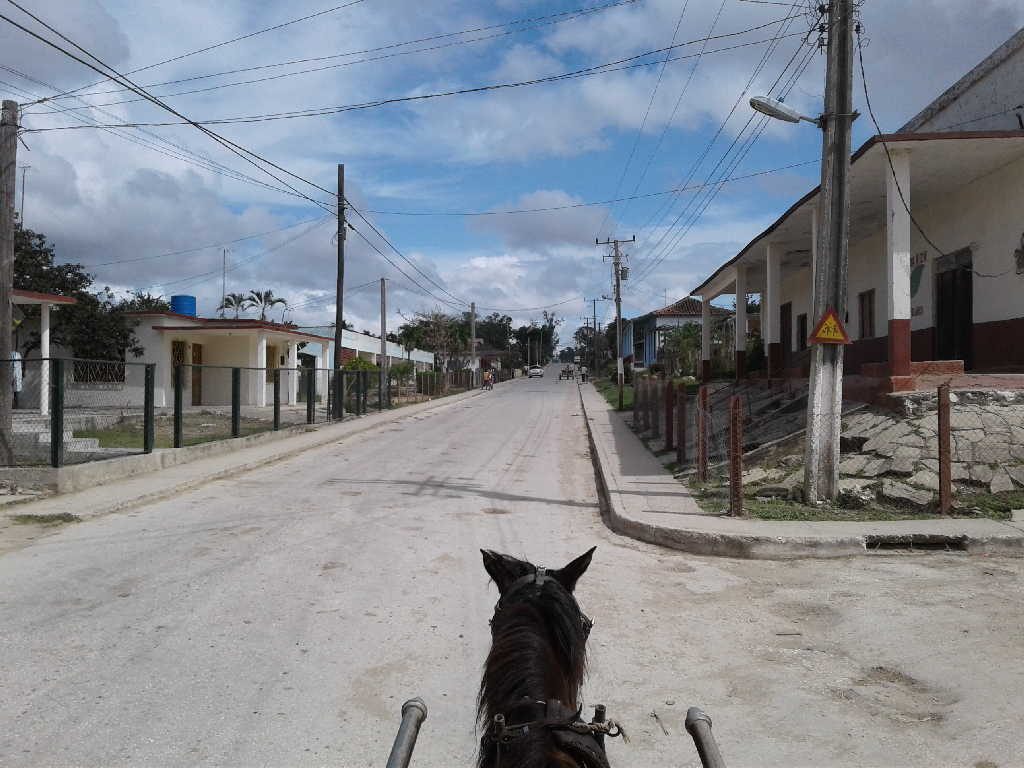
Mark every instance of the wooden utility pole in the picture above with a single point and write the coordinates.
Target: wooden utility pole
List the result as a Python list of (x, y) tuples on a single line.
[(8, 171), (339, 291), (385, 362), (825, 399), (620, 275), (472, 339)]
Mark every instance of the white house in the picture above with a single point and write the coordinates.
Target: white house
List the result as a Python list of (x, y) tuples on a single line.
[(950, 302)]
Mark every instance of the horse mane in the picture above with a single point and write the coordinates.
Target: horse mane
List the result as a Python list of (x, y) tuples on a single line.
[(538, 652)]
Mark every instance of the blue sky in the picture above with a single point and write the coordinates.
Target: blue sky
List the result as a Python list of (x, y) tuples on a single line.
[(114, 203)]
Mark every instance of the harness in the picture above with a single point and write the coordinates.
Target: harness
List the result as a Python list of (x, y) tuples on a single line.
[(582, 740)]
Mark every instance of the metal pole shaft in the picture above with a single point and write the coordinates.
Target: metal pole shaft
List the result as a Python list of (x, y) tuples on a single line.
[(825, 398), (8, 167), (699, 726), (618, 323), (414, 712), (339, 291)]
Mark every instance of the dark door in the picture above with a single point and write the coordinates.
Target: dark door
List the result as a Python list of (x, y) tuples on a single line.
[(786, 332), (197, 374), (954, 315)]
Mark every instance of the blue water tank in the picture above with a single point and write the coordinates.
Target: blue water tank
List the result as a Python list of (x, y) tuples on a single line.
[(184, 305)]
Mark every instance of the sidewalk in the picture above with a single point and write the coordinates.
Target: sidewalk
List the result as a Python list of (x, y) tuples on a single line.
[(640, 499), (154, 486)]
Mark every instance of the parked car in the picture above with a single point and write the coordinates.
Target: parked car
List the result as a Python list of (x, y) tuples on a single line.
[(536, 371)]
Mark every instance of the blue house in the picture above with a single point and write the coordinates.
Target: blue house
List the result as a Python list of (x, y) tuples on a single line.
[(643, 336)]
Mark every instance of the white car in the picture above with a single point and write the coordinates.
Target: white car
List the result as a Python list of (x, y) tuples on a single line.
[(536, 371)]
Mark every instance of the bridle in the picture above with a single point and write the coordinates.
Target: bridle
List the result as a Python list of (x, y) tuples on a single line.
[(535, 583), (583, 740)]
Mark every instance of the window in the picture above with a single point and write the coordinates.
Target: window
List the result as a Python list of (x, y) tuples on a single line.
[(866, 304), (801, 332), (177, 353)]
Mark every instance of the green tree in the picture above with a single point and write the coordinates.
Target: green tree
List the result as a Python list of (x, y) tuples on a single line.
[(143, 301), (96, 327), (680, 350), (236, 302), (264, 300)]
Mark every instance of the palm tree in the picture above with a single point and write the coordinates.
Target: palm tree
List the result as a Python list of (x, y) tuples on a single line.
[(264, 300), (235, 301)]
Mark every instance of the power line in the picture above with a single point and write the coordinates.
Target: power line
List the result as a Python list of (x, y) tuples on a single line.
[(548, 20), (569, 206), (220, 44), (599, 69)]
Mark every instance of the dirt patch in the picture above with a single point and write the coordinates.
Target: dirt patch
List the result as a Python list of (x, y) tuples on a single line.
[(494, 511), (57, 518), (896, 695)]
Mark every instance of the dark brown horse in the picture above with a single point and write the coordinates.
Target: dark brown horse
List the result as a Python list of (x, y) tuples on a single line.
[(529, 696)]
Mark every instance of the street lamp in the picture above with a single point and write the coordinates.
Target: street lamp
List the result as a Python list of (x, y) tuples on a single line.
[(780, 111)]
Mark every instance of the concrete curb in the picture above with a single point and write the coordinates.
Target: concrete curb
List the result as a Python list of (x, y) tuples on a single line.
[(723, 543), (326, 434)]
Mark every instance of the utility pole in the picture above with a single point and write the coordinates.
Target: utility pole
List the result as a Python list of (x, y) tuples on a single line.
[(21, 213), (8, 171), (825, 399), (618, 270), (384, 361), (339, 291), (472, 338)]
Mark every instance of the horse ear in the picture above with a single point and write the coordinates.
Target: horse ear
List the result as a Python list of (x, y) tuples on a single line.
[(570, 574), (502, 568)]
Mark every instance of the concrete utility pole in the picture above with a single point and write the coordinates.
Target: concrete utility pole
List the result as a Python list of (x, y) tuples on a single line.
[(223, 274), (619, 276), (472, 338), (384, 361), (825, 401), (8, 172), (339, 291), (594, 338)]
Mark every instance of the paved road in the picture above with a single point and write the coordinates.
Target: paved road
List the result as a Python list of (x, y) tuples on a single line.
[(281, 617)]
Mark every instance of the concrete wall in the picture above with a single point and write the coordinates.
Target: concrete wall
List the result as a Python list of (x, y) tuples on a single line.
[(972, 108)]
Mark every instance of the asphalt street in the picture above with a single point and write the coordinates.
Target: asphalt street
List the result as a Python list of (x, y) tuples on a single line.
[(281, 617)]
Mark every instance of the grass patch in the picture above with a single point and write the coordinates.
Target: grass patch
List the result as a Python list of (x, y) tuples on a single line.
[(611, 393), (714, 499), (57, 518), (197, 428)]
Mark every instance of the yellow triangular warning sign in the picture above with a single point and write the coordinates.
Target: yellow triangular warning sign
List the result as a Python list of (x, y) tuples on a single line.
[(830, 330)]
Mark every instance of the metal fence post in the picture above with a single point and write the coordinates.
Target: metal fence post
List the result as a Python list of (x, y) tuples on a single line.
[(149, 409), (179, 405), (702, 434), (277, 399), (311, 396), (380, 390), (681, 425), (670, 401), (236, 402), (656, 403), (735, 456), (56, 412), (945, 453)]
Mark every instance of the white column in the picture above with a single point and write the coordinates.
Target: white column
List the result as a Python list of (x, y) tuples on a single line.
[(293, 373), (741, 309), (44, 353), (772, 291), (261, 376), (897, 235)]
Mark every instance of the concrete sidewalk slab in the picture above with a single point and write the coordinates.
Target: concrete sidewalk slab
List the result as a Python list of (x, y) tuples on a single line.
[(154, 486), (641, 499)]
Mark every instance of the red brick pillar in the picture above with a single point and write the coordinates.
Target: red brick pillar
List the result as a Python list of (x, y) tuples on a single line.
[(899, 347)]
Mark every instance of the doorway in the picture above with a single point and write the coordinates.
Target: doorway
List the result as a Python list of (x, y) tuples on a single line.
[(197, 374), (954, 308), (786, 332)]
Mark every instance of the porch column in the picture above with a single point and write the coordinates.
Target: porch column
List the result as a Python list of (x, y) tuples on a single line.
[(897, 237), (293, 373), (705, 338), (44, 353), (740, 326), (770, 310), (261, 376)]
